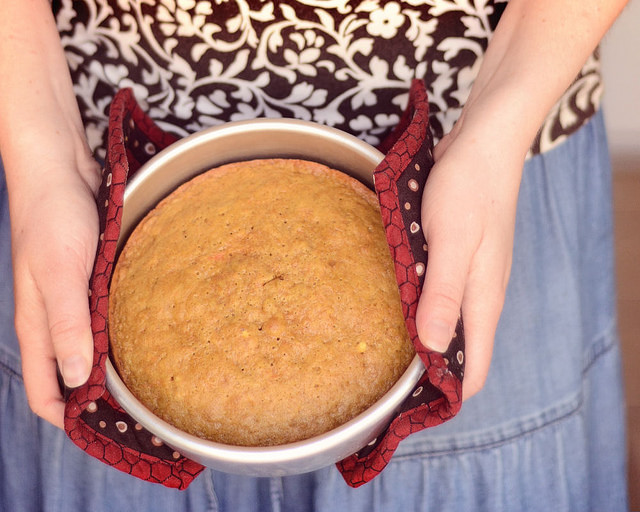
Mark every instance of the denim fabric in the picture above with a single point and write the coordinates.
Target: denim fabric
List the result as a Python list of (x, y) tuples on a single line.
[(546, 432)]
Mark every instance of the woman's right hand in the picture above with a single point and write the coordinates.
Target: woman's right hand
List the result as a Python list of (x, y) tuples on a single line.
[(52, 179), (469, 203), (54, 235)]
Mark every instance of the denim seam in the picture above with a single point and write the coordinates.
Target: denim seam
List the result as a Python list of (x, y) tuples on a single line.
[(499, 443), (6, 367), (600, 346), (212, 504), (568, 408)]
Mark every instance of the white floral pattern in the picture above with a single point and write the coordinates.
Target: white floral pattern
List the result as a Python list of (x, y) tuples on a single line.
[(344, 63)]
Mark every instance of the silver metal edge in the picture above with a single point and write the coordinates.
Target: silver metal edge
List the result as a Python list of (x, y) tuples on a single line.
[(299, 457)]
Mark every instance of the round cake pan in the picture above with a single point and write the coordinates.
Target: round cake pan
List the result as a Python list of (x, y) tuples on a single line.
[(232, 142)]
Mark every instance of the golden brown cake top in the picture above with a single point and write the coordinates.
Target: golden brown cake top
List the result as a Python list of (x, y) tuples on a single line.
[(257, 304)]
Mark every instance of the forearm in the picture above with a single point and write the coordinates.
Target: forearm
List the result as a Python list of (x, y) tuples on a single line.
[(537, 51), (51, 178), (38, 109)]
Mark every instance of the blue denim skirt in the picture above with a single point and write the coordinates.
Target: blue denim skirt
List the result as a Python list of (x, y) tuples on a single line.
[(545, 433)]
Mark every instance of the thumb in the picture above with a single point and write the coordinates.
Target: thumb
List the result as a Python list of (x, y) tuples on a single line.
[(439, 305), (65, 296)]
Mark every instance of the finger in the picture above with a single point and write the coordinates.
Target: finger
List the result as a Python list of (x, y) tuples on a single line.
[(479, 339), (38, 359), (443, 144), (481, 309), (65, 297), (41, 385), (442, 293)]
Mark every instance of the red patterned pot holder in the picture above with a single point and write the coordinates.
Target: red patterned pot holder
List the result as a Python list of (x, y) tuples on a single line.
[(98, 425)]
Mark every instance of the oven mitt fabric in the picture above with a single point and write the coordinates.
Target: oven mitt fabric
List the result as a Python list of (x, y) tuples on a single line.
[(96, 423), (399, 182)]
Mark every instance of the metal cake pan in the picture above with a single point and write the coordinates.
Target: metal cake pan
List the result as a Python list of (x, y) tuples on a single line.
[(237, 141)]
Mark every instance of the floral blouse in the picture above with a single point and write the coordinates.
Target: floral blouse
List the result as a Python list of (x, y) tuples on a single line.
[(344, 63)]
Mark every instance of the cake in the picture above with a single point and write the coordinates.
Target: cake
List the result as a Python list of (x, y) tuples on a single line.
[(257, 304)]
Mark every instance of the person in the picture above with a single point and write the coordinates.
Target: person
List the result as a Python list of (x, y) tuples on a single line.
[(516, 213)]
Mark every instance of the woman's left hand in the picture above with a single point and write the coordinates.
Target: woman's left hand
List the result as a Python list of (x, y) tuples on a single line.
[(468, 218)]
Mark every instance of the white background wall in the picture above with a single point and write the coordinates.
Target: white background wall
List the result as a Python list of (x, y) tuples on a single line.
[(621, 68)]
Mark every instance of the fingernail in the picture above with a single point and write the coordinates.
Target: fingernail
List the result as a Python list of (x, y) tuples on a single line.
[(437, 335), (75, 371)]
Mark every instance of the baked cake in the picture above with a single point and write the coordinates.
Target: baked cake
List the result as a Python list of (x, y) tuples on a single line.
[(257, 304)]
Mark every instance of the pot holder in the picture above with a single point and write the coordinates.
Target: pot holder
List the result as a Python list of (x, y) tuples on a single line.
[(96, 423)]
